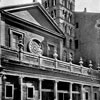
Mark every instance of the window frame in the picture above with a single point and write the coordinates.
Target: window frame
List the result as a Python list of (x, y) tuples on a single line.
[(49, 43), (12, 91), (14, 31), (33, 92)]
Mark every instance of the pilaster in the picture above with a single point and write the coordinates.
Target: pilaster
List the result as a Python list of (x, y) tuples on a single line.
[(21, 87), (55, 90), (40, 89), (92, 95), (82, 91), (70, 91)]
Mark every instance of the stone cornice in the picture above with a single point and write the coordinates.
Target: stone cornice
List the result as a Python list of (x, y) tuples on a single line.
[(44, 71)]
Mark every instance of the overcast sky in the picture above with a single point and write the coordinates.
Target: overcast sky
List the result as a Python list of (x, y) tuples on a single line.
[(91, 5)]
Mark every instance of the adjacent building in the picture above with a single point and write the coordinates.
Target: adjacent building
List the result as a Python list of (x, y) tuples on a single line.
[(32, 64), (87, 37)]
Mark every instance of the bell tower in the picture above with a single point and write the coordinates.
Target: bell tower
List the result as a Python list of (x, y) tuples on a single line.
[(62, 12)]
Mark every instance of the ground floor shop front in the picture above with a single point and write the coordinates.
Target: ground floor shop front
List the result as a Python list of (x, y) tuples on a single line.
[(43, 87)]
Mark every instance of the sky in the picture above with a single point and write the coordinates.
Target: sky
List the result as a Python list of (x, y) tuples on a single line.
[(91, 5)]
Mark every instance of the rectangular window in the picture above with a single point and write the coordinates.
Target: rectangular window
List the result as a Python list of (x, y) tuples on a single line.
[(77, 25), (86, 96), (95, 96), (30, 92), (54, 13), (9, 91), (15, 38), (51, 50), (76, 44)]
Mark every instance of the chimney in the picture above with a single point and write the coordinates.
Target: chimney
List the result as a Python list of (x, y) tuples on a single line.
[(85, 10), (34, 0)]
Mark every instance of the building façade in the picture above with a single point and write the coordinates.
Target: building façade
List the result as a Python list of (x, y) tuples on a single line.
[(87, 37), (31, 54)]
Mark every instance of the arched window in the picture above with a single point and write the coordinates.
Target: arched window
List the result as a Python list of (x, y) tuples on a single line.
[(53, 2)]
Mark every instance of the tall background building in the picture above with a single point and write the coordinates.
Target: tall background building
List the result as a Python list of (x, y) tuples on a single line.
[(62, 11)]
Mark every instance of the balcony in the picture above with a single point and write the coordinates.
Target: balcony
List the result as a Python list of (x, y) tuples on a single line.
[(44, 62)]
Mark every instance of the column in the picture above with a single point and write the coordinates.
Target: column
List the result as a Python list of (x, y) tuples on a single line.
[(40, 87), (70, 91), (82, 91), (21, 87), (55, 90), (92, 95)]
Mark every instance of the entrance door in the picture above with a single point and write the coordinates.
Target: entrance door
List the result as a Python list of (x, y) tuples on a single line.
[(47, 96)]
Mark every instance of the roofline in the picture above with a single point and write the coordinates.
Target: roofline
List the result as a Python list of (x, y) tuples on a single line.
[(32, 24), (10, 8), (7, 8), (82, 12)]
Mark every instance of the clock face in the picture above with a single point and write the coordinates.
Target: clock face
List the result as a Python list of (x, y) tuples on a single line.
[(34, 47)]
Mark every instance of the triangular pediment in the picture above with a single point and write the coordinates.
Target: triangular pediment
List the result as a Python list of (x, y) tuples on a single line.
[(36, 14), (26, 16)]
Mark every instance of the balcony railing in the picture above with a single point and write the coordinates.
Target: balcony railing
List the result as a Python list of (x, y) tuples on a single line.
[(43, 62)]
